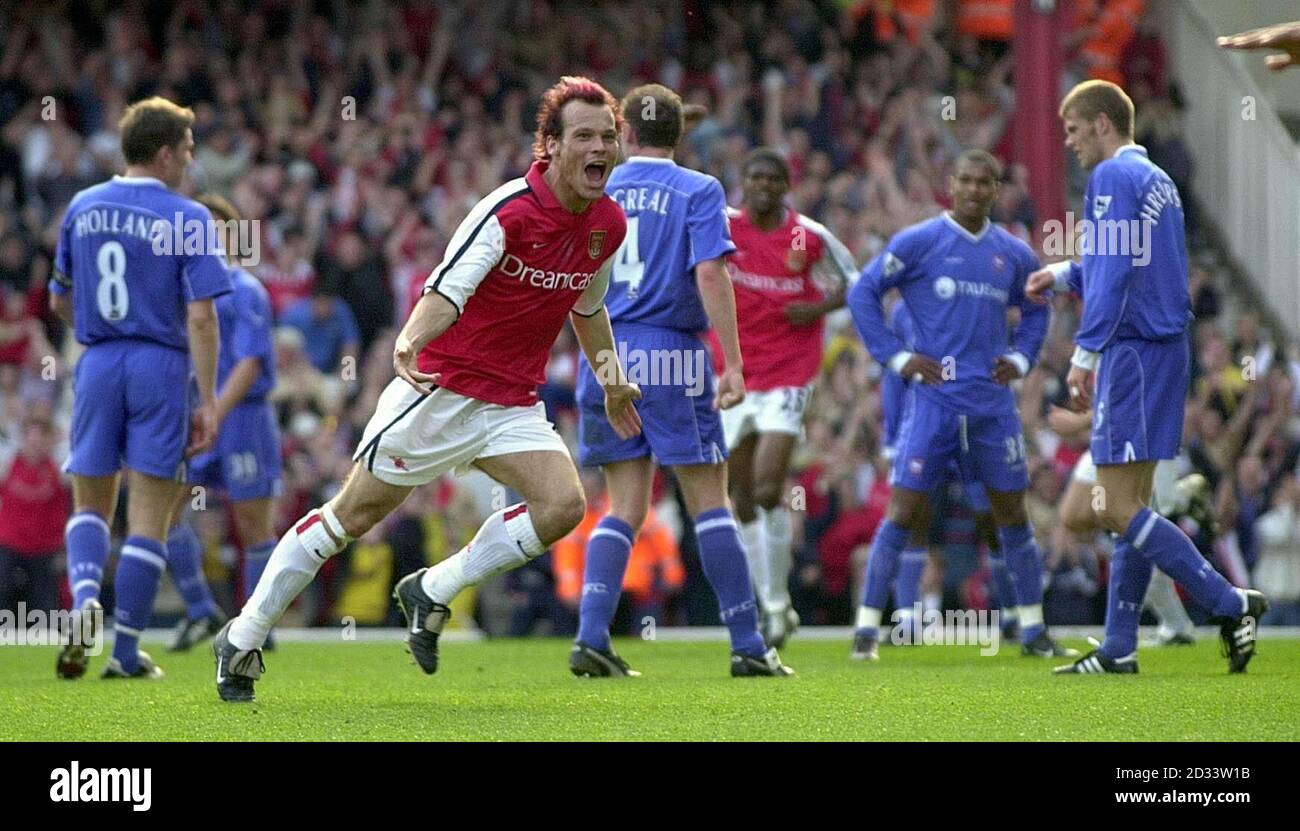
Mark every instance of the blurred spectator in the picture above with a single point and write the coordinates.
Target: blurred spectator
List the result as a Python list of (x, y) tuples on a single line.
[(329, 330), (1277, 572), (299, 386), (365, 302), (34, 503), (289, 276)]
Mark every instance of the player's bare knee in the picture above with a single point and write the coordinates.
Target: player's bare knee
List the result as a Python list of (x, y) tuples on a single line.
[(742, 503), (1078, 521), (1012, 516), (767, 494), (629, 509), (355, 517), (253, 526), (905, 509), (746, 511), (1115, 518), (558, 514)]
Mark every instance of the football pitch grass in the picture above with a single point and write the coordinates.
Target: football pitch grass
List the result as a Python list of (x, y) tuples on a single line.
[(504, 690)]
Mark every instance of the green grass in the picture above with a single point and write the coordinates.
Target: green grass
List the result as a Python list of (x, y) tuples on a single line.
[(508, 690)]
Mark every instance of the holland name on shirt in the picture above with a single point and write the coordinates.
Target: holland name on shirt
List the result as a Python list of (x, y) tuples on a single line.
[(180, 236)]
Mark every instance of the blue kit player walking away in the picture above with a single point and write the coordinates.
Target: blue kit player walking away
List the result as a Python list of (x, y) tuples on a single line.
[(245, 463), (1134, 339), (668, 283), (957, 274), (143, 307)]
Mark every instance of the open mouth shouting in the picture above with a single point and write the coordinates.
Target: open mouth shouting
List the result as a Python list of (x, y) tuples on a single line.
[(594, 173)]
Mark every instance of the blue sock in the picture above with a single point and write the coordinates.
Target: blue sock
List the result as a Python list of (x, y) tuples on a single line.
[(882, 567), (907, 586), (605, 561), (723, 559), (86, 539), (139, 570), (1130, 573), (1025, 568), (1004, 588), (255, 559), (1165, 545), (183, 559)]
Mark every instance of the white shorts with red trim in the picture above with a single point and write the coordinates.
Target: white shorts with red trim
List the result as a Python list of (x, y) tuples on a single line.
[(777, 410), (414, 438)]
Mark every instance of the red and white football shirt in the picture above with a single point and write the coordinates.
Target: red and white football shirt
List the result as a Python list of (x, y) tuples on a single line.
[(515, 268), (769, 270)]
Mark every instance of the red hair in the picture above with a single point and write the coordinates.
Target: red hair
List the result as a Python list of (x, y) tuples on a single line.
[(569, 88)]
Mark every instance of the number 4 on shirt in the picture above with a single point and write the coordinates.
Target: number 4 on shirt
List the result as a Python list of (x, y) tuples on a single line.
[(628, 266)]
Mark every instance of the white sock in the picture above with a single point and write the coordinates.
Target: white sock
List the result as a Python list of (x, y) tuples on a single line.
[(1030, 615), (753, 539), (779, 558), (293, 564), (931, 602), (868, 618), (1163, 599), (506, 540)]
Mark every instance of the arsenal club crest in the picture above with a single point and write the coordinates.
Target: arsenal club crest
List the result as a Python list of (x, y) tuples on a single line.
[(595, 244), (796, 259)]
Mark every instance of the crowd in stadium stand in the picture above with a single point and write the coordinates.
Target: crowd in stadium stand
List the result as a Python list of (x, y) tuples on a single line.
[(360, 135)]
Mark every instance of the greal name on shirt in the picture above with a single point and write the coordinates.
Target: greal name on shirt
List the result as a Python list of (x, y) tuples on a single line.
[(654, 200)]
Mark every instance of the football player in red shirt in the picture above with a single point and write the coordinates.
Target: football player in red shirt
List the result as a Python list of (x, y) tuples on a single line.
[(533, 253), (788, 272)]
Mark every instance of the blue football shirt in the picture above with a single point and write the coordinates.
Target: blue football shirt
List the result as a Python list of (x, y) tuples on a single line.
[(133, 253), (957, 287), (676, 219)]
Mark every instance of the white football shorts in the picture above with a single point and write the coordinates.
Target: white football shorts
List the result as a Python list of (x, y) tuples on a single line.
[(414, 438), (777, 410)]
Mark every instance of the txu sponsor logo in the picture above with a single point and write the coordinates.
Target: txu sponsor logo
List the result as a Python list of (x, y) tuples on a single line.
[(77, 784), (930, 627), (655, 367), (38, 627)]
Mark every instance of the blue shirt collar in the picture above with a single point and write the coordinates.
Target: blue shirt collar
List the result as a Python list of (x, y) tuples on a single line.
[(1129, 148)]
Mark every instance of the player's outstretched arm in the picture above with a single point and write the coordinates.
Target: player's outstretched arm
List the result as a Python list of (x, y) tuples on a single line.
[(204, 338), (1063, 276), (596, 337), (432, 316), (720, 305), (1283, 36)]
